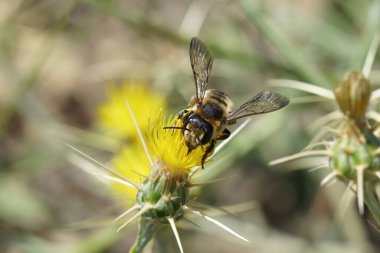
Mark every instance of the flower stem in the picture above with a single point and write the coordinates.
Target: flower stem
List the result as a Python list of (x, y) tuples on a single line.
[(146, 230), (372, 202)]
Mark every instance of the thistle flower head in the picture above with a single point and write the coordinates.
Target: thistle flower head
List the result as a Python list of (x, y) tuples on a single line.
[(168, 153), (166, 178), (164, 194), (168, 149)]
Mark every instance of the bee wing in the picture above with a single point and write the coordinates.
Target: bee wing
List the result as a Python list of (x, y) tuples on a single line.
[(201, 63), (263, 102)]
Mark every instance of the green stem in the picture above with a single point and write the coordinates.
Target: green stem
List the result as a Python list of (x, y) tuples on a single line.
[(372, 202), (146, 230)]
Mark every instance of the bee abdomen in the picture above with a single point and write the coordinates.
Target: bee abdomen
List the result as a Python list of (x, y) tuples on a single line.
[(219, 98)]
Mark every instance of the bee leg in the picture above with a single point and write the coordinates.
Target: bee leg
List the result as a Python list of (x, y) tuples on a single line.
[(207, 152), (225, 134)]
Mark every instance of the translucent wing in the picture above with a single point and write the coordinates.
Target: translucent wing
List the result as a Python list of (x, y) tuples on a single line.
[(201, 63), (263, 102)]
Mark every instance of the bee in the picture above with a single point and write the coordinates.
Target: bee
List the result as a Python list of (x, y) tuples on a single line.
[(210, 111)]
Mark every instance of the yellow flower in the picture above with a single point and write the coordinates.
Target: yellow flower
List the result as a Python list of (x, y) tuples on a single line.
[(114, 115), (131, 162), (167, 151)]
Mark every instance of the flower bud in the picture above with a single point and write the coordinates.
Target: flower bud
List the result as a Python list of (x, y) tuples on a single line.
[(352, 95)]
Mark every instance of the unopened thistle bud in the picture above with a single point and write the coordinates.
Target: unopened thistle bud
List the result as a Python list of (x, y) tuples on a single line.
[(352, 95), (352, 149)]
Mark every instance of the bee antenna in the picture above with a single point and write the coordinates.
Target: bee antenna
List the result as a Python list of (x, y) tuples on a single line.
[(174, 127)]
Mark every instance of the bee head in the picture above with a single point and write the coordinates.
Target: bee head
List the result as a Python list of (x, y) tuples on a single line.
[(197, 132), (193, 135)]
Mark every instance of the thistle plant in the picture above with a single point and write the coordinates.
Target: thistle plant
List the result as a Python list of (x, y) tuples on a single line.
[(165, 195), (348, 142), (158, 173)]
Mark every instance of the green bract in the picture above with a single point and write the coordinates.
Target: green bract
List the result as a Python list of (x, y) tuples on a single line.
[(166, 195), (349, 154)]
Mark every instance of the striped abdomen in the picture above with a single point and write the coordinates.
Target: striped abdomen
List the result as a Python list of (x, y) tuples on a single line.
[(215, 105)]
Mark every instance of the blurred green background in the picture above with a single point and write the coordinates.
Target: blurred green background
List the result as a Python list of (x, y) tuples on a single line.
[(57, 58)]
